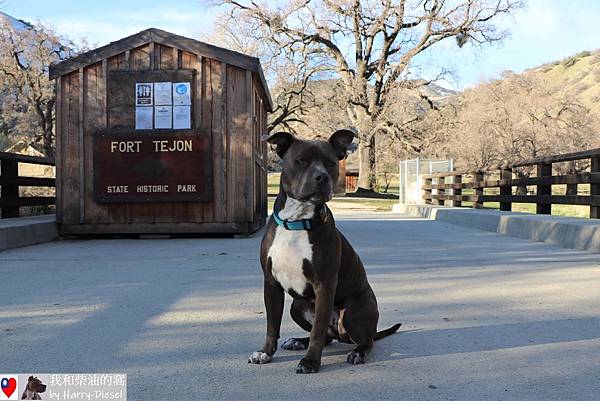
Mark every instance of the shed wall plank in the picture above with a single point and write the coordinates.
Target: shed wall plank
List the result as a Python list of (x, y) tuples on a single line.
[(117, 213), (239, 145), (81, 152), (145, 212), (218, 109), (70, 132), (203, 212), (167, 57), (140, 58), (94, 119), (59, 150), (185, 212)]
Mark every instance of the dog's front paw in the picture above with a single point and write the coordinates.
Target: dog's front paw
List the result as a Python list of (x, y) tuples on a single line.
[(260, 357), (308, 366), (355, 357)]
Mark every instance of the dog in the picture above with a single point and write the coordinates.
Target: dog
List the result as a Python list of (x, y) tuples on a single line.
[(302, 253), (33, 389)]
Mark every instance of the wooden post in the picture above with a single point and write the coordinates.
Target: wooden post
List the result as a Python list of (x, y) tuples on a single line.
[(477, 190), (417, 172), (82, 95), (457, 191), (544, 170), (506, 190), (572, 188), (10, 172), (427, 191), (440, 192), (595, 189)]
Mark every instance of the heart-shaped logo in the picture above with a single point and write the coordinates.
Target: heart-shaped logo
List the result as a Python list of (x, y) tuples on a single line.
[(8, 386)]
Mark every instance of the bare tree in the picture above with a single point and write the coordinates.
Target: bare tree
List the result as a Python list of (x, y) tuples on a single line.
[(28, 94), (370, 45), (515, 118), (288, 72), (293, 98)]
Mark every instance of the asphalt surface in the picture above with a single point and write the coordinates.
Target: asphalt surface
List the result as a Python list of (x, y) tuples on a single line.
[(485, 317)]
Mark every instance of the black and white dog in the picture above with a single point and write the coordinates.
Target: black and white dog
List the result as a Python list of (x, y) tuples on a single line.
[(302, 253), (33, 389)]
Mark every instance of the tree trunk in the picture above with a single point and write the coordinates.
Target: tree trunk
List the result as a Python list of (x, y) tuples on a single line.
[(49, 143), (366, 159), (49, 129), (46, 121), (521, 189)]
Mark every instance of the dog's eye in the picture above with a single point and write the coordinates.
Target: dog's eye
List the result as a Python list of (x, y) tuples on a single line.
[(300, 161), (330, 164)]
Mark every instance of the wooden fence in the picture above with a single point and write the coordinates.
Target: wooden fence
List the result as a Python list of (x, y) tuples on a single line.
[(10, 181), (543, 181)]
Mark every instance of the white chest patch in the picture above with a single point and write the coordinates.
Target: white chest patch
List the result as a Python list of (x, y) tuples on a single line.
[(287, 253), (290, 248)]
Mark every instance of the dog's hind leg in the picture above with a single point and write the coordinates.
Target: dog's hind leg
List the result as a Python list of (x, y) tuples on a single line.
[(303, 313), (296, 343), (359, 321)]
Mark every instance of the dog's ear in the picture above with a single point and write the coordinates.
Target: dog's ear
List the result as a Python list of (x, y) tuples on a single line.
[(281, 141), (341, 140)]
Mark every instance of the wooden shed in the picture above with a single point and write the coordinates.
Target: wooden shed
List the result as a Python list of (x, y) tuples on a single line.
[(130, 162)]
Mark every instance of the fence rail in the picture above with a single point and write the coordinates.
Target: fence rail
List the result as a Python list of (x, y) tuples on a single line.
[(10, 181), (543, 181)]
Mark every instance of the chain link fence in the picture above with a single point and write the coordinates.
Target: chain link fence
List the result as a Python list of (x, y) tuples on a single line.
[(410, 177)]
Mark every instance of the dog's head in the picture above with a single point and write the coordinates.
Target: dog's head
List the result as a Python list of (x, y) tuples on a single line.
[(35, 384), (310, 168)]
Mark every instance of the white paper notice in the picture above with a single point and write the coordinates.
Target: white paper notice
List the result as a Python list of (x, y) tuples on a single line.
[(182, 117), (162, 94), (182, 94), (143, 117), (163, 117), (143, 94)]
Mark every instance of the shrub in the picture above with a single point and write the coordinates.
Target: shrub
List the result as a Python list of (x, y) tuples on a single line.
[(570, 61)]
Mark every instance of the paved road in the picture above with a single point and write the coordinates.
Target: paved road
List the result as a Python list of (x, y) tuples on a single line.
[(485, 317)]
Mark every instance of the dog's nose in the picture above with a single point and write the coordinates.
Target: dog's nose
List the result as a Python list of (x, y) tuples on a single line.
[(320, 177)]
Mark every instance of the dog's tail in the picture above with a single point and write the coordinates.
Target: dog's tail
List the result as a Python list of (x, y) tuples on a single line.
[(387, 332)]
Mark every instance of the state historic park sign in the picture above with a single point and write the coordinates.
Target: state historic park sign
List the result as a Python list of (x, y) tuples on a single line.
[(174, 166)]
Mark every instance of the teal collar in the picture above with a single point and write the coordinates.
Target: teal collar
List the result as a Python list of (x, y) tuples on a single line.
[(305, 224)]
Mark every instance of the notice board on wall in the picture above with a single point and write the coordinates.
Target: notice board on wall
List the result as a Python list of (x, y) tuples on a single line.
[(151, 100)]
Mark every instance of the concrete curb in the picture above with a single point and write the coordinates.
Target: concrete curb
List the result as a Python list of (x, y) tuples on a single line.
[(566, 232), (23, 231)]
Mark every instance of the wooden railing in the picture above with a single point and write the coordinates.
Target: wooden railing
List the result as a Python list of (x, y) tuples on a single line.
[(543, 181), (10, 181)]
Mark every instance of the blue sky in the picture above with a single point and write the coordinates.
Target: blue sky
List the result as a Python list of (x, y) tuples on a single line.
[(546, 30)]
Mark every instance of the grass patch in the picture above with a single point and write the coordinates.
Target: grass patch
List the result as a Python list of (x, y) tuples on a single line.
[(378, 205), (581, 211), (557, 210), (353, 204), (273, 185)]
